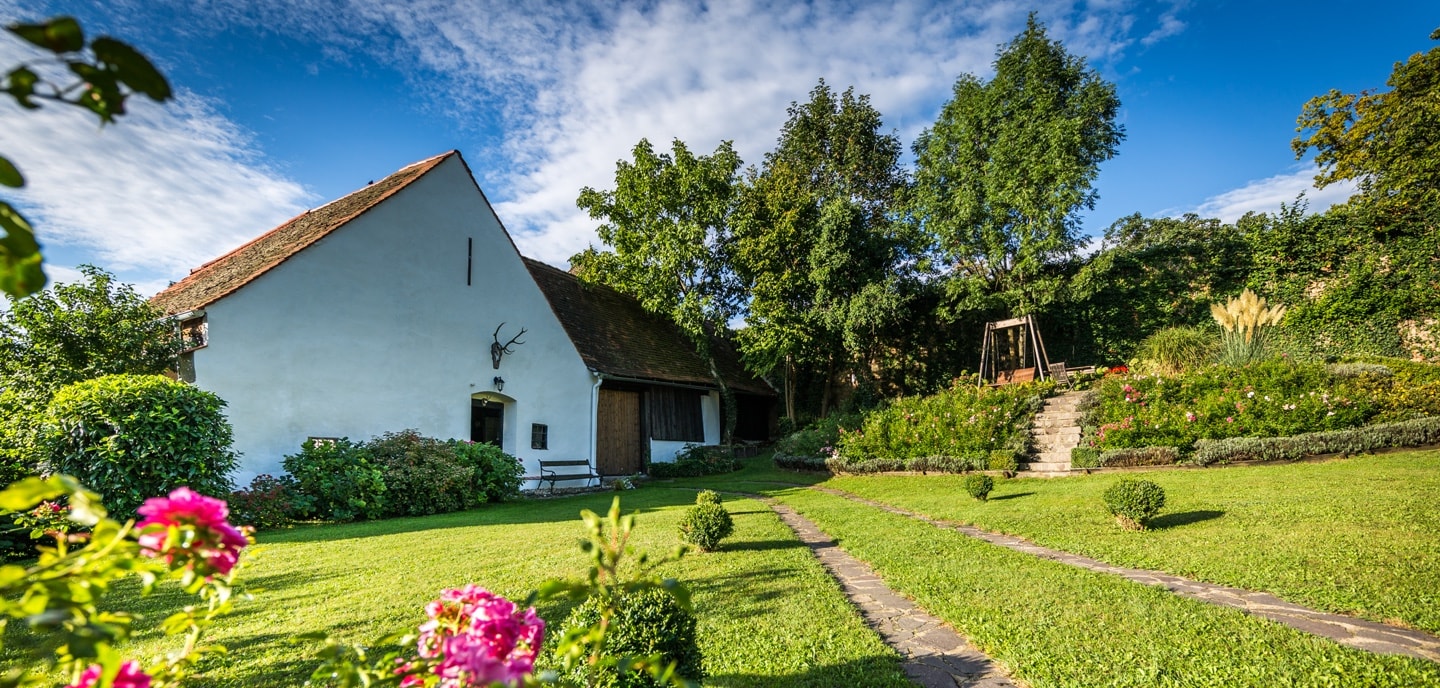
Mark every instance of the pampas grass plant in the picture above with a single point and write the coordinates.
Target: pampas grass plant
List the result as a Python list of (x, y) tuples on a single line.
[(1245, 323)]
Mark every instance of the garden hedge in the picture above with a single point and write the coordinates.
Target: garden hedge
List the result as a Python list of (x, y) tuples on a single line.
[(1410, 433)]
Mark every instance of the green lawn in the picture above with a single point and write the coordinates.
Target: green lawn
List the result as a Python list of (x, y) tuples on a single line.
[(768, 613), (1055, 625), (1358, 536)]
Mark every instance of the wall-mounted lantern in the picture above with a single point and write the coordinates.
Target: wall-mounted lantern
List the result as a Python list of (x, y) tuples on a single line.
[(499, 383)]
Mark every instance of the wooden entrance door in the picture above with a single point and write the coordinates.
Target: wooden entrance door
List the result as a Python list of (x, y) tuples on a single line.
[(617, 433)]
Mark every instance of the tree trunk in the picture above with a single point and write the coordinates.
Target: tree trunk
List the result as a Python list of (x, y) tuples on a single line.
[(829, 386), (727, 401), (789, 388)]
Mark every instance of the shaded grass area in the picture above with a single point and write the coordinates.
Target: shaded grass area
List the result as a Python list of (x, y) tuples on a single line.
[(1357, 536), (768, 613), (1054, 625)]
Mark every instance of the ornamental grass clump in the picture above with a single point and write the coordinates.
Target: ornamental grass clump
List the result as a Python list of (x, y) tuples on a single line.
[(1134, 502), (707, 497), (979, 486), (706, 524), (1245, 323)]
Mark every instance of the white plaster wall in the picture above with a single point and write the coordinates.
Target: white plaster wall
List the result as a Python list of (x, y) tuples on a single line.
[(664, 451), (373, 329)]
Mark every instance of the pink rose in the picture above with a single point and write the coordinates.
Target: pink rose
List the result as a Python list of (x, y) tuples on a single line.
[(130, 676), (480, 638), (216, 544)]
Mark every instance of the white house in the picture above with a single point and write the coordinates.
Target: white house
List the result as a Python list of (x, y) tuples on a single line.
[(392, 308)]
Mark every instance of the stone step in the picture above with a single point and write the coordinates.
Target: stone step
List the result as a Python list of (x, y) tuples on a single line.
[(1053, 457), (1055, 431), (1048, 466), (1058, 415), (1054, 449), (1042, 474), (1067, 405), (1054, 422)]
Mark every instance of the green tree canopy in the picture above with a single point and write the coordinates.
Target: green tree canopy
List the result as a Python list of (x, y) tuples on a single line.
[(1003, 173), (82, 330), (816, 244), (666, 227), (1388, 142)]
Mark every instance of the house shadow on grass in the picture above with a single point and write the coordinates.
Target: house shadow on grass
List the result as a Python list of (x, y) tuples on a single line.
[(1183, 518)]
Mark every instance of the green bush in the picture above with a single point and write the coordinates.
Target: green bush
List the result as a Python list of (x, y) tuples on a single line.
[(1411, 433), (1176, 350), (495, 474), (696, 460), (1085, 457), (979, 485), (1004, 460), (646, 622), (955, 430), (801, 463), (132, 437), (707, 497), (1134, 502), (1359, 369), (339, 479), (705, 525), (422, 475), (269, 502), (1139, 456), (821, 438)]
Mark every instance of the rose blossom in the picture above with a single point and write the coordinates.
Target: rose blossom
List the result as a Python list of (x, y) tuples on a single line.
[(216, 545), (480, 638), (130, 676)]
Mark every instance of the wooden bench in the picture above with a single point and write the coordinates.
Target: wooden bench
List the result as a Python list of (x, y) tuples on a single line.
[(548, 472), (1010, 377)]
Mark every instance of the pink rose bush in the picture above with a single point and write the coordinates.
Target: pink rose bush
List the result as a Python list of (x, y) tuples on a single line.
[(210, 544), (474, 637), (130, 676)]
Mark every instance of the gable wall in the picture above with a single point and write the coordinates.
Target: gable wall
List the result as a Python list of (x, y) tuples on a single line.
[(373, 329)]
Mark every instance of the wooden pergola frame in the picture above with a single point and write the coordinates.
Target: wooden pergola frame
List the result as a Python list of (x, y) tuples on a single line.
[(1037, 346)]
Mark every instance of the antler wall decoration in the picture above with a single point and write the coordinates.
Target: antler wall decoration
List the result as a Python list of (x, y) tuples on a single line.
[(498, 350)]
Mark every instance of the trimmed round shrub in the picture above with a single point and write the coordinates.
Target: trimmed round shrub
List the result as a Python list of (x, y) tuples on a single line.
[(338, 479), (1134, 502), (132, 437), (422, 475), (979, 485), (495, 474), (646, 622), (705, 525), (707, 497)]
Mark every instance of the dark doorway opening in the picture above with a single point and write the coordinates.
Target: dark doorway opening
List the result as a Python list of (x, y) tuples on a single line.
[(487, 421)]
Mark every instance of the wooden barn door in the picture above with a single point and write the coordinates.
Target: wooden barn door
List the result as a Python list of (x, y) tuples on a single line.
[(617, 443)]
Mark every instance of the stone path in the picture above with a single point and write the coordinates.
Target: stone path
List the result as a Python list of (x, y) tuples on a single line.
[(1346, 630), (935, 655)]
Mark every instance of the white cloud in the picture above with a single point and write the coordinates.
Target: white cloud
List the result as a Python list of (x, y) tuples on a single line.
[(578, 85), (1266, 195), (572, 86), (163, 190), (1170, 24)]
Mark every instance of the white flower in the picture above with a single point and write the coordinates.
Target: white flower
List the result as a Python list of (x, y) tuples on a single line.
[(1250, 395), (1330, 414)]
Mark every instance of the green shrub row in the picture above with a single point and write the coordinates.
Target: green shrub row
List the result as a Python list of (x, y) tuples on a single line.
[(1411, 433), (1090, 457), (397, 474), (998, 460), (696, 460)]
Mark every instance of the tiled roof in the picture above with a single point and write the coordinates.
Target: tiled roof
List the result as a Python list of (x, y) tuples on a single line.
[(616, 336), (218, 278)]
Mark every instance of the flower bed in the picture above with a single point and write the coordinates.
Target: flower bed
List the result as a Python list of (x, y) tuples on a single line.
[(1271, 399), (961, 429)]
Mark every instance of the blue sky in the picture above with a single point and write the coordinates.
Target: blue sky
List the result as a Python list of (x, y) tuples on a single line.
[(287, 104)]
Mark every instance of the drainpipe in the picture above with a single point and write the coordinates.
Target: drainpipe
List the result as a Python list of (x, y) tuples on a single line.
[(594, 416)]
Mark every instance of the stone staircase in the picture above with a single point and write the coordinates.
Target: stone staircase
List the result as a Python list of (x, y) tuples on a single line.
[(1054, 433)]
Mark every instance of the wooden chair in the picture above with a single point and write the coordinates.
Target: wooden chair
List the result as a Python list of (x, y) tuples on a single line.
[(1061, 376)]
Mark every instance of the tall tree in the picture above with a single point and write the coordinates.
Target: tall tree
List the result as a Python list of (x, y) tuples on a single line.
[(816, 243), (1001, 177), (1389, 142), (665, 226)]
